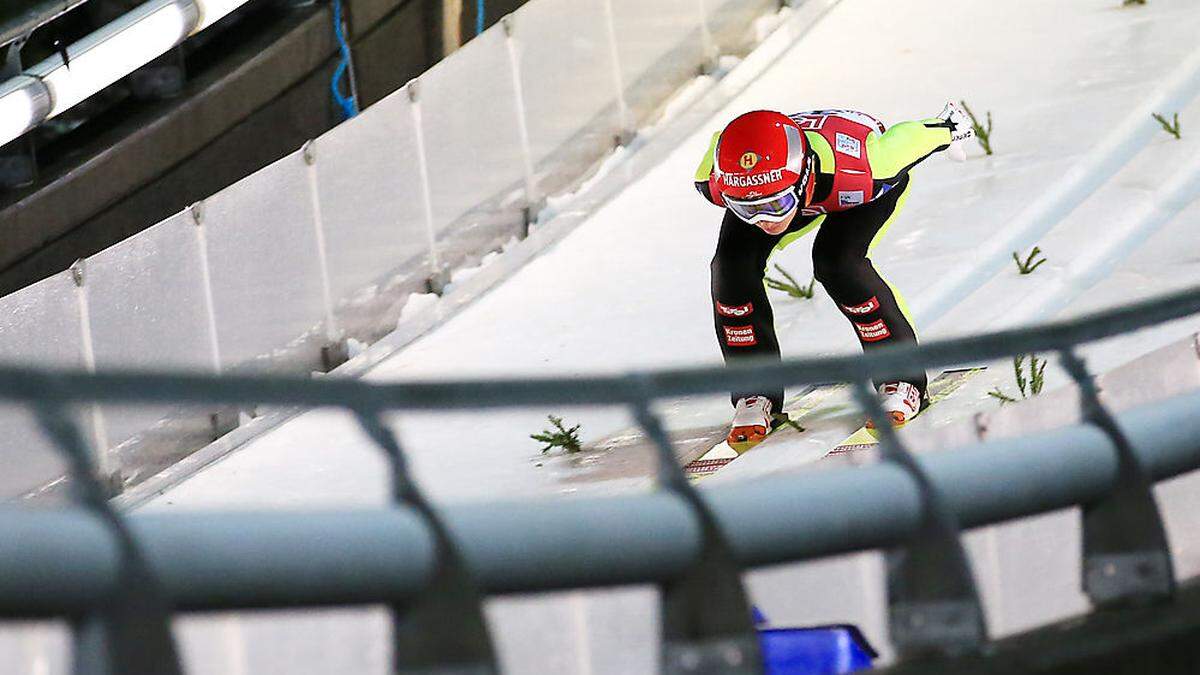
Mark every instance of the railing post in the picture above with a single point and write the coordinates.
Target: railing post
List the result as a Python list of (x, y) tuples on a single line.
[(533, 199), (225, 417), (111, 475), (707, 43), (438, 277), (130, 633), (1126, 556), (933, 604), (706, 618), (626, 128), (335, 351), (443, 629)]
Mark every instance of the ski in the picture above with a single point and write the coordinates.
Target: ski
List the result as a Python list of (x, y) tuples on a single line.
[(721, 455), (940, 389)]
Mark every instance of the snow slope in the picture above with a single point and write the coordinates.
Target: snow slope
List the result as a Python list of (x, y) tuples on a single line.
[(629, 289)]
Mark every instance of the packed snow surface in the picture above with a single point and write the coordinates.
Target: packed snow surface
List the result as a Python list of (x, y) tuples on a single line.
[(629, 289)]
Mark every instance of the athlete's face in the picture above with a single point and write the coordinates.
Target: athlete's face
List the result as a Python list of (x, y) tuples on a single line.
[(778, 228)]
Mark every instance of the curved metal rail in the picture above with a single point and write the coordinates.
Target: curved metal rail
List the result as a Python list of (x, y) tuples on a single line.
[(431, 566)]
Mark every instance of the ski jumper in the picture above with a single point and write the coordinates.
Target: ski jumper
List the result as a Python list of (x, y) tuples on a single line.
[(861, 182)]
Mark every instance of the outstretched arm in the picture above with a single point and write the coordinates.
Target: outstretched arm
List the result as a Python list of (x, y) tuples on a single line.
[(905, 145)]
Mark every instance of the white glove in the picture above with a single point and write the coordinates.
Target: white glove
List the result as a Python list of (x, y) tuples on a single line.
[(961, 130)]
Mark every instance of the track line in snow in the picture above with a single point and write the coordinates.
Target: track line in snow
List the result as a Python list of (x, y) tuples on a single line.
[(1105, 160), (1093, 262)]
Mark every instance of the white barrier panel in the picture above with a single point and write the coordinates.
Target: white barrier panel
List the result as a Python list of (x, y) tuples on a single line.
[(659, 47), (147, 305), (350, 640), (326, 243), (37, 647), (369, 189), (569, 87), (39, 326), (732, 23), (267, 289), (468, 110)]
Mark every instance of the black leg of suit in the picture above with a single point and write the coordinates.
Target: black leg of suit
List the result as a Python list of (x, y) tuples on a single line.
[(744, 321)]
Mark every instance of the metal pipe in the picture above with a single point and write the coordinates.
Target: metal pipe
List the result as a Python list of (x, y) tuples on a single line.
[(108, 53), (210, 560), (114, 51), (59, 562), (24, 101)]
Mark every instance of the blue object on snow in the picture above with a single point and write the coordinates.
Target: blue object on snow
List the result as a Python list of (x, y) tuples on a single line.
[(822, 650)]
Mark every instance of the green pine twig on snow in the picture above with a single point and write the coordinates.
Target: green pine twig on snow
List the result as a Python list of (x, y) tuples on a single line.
[(1001, 396), (1028, 265), (1036, 375), (982, 134), (791, 286), (1169, 127), (559, 437)]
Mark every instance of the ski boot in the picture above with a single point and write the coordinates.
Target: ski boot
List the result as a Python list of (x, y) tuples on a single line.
[(752, 423), (901, 402)]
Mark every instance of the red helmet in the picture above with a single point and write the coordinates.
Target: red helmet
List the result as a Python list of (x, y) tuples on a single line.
[(761, 156)]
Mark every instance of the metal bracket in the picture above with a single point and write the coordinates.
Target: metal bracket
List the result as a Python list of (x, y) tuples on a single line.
[(443, 630), (197, 211), (12, 59), (1126, 557), (437, 281), (223, 421), (130, 633), (78, 272), (529, 216), (335, 354), (706, 617), (933, 603)]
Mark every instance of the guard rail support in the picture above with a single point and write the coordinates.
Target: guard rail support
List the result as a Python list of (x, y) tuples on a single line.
[(706, 618), (443, 627), (1126, 557), (129, 631), (933, 604)]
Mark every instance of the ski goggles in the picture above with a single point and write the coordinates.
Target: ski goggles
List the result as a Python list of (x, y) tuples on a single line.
[(772, 208)]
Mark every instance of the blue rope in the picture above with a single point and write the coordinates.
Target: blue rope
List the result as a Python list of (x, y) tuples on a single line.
[(348, 105), (479, 15)]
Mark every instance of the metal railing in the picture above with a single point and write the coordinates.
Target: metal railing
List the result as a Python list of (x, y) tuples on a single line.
[(101, 58), (120, 577)]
